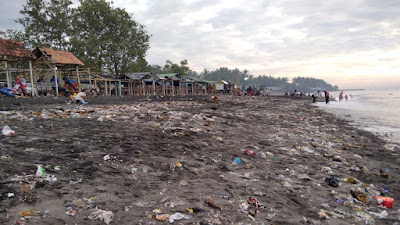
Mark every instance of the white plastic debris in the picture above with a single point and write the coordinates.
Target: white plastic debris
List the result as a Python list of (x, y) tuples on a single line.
[(105, 216), (106, 157), (7, 131), (177, 216)]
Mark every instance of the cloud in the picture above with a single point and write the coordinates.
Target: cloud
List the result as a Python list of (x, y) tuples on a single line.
[(324, 39), (9, 11)]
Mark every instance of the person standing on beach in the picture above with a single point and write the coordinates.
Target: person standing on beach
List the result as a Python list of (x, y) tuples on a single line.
[(326, 97), (314, 99)]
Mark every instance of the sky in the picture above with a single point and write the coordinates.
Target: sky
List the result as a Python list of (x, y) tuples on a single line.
[(352, 44)]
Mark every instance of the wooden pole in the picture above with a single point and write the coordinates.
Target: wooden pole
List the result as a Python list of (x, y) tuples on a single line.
[(33, 93), (154, 87), (144, 87), (90, 81), (79, 79), (55, 80), (9, 84), (120, 88), (105, 88)]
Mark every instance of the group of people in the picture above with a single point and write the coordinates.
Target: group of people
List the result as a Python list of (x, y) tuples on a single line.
[(341, 96), (249, 91), (70, 86), (20, 90)]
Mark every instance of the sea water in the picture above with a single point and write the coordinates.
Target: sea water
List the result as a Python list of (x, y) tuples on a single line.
[(377, 111)]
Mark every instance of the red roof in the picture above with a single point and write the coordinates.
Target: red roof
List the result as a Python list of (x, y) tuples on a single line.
[(14, 49), (59, 57)]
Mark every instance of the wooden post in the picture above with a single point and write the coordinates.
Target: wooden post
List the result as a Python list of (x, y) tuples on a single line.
[(79, 79), (90, 81), (143, 88), (9, 84), (120, 88), (105, 88), (55, 80), (154, 87), (33, 93)]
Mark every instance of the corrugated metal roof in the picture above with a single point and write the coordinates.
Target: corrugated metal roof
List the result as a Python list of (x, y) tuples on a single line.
[(59, 57), (14, 49), (166, 75)]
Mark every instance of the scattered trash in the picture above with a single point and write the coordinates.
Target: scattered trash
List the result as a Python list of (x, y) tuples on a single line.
[(385, 201), (332, 181), (40, 172), (105, 216), (212, 203), (304, 177), (157, 211), (189, 210), (27, 212), (359, 194), (247, 152), (73, 182), (254, 202), (382, 215), (351, 180), (70, 212), (237, 161), (177, 216), (57, 168), (384, 174), (106, 157), (7, 131), (390, 147), (162, 217), (10, 195)]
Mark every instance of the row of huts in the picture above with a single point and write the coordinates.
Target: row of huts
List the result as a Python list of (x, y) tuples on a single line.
[(42, 64)]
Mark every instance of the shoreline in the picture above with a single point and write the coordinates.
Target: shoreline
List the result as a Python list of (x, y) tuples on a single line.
[(296, 145)]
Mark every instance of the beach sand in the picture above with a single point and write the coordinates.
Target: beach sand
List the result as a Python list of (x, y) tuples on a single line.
[(139, 157)]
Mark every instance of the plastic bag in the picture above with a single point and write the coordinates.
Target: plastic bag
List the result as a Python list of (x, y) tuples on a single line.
[(7, 131)]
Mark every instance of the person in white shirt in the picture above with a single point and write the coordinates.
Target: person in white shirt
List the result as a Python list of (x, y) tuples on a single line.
[(80, 97)]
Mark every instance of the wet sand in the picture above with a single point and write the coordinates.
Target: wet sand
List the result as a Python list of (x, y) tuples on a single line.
[(133, 156)]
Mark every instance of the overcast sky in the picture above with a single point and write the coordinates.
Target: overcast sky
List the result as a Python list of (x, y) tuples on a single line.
[(353, 44)]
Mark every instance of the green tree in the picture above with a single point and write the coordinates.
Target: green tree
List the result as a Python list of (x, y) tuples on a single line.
[(15, 35), (182, 68), (107, 37), (46, 23)]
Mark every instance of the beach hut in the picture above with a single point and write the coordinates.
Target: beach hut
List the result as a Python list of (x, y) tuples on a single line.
[(14, 51), (143, 83), (108, 83), (58, 63), (170, 83)]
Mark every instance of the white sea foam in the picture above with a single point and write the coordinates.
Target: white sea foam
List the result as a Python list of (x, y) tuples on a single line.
[(377, 111)]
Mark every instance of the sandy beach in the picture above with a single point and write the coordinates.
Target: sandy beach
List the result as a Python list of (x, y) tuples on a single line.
[(132, 160)]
